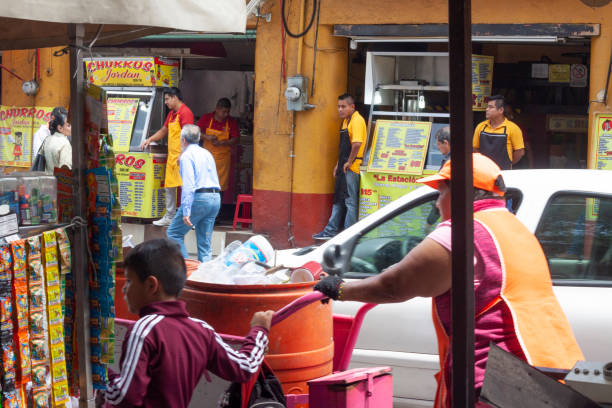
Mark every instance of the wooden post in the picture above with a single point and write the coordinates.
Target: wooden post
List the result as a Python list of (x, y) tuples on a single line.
[(462, 292), (79, 244)]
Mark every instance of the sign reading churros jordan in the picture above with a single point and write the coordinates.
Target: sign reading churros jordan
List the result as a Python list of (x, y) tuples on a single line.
[(138, 71)]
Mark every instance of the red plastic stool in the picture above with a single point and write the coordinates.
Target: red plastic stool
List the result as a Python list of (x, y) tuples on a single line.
[(246, 216)]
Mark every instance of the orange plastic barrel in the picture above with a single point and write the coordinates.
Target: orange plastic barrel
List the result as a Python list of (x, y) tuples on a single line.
[(121, 308), (301, 347)]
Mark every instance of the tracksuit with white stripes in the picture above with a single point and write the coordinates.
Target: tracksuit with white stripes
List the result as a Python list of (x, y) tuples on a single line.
[(166, 352)]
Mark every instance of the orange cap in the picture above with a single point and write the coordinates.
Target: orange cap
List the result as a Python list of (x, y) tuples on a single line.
[(486, 175)]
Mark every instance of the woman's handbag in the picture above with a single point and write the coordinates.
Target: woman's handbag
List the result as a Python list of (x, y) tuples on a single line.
[(39, 163)]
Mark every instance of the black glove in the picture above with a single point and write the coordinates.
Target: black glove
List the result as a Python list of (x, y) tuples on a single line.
[(329, 286)]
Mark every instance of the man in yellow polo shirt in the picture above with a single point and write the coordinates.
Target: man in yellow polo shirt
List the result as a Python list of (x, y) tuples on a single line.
[(346, 171), (497, 137)]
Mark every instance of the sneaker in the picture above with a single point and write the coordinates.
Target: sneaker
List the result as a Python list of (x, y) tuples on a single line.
[(163, 222), (323, 235)]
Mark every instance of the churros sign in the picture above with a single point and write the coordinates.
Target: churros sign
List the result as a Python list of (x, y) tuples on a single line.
[(131, 71)]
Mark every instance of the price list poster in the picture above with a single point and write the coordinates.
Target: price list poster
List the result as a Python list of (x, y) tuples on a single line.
[(603, 141), (399, 147), (121, 115), (482, 80)]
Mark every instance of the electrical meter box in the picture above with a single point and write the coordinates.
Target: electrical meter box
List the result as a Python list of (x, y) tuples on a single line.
[(297, 93)]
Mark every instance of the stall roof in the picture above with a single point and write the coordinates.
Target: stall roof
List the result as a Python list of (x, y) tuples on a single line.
[(42, 23)]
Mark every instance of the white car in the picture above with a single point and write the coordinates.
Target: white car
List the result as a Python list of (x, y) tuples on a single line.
[(570, 212)]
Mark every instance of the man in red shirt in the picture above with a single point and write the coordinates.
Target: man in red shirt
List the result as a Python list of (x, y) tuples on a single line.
[(219, 133), (179, 116)]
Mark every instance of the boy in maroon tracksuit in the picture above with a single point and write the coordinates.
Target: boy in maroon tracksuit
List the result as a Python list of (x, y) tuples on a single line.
[(166, 352)]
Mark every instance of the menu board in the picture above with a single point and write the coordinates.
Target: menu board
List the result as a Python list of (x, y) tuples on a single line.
[(482, 80), (602, 144), (399, 147), (140, 177), (17, 126), (378, 189), (121, 115)]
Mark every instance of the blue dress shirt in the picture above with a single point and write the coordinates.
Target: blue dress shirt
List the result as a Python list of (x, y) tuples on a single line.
[(198, 170)]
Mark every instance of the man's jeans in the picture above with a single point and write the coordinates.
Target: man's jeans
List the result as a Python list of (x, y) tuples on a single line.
[(345, 214), (204, 210)]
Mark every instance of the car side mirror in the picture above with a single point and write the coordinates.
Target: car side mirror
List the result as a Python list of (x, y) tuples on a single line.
[(333, 262)]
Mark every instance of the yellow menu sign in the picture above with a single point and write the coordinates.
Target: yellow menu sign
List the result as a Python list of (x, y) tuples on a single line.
[(121, 114), (140, 177), (399, 147), (137, 71), (559, 73), (482, 80), (602, 145), (17, 126)]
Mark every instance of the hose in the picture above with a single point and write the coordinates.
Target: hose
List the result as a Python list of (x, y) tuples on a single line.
[(303, 33)]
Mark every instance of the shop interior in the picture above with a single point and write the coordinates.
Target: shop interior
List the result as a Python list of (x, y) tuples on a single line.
[(211, 66), (550, 108)]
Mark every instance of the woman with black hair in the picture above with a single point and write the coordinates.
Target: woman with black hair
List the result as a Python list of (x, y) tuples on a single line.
[(56, 147)]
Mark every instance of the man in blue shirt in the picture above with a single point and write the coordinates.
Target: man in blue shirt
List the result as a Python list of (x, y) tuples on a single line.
[(200, 199)]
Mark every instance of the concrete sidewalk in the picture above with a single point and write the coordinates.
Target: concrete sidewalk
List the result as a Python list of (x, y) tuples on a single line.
[(222, 235)]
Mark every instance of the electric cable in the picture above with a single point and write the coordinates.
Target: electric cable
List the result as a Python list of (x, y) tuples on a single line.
[(284, 20), (317, 4), (12, 73)]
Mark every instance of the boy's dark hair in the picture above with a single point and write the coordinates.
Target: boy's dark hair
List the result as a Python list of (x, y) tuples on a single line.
[(348, 98), (499, 101), (174, 91), (443, 135), (224, 103), (161, 258)]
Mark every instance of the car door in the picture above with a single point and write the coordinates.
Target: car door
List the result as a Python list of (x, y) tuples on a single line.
[(398, 335), (575, 232)]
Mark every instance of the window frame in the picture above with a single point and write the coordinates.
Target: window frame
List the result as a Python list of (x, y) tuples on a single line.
[(355, 240), (572, 282)]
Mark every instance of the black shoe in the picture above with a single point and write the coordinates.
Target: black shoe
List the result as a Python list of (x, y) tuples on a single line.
[(323, 235)]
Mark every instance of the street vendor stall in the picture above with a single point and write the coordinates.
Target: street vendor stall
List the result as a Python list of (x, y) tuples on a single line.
[(135, 103), (408, 94), (95, 204)]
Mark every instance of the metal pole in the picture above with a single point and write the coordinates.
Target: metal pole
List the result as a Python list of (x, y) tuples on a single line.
[(462, 292), (79, 244)]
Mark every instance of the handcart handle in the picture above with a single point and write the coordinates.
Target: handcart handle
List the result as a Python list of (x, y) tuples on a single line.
[(296, 305)]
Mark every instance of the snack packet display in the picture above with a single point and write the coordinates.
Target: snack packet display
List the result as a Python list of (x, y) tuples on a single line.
[(105, 244), (21, 311), (7, 319), (59, 385), (38, 324)]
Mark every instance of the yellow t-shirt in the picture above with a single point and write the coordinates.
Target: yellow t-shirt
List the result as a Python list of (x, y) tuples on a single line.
[(514, 140), (357, 134)]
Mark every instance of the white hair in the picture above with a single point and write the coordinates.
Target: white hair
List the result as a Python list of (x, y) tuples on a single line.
[(191, 134)]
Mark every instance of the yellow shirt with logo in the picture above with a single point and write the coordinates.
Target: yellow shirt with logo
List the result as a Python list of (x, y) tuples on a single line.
[(357, 130), (515, 135)]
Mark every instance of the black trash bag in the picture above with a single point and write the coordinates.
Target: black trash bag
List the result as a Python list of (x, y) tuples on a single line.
[(263, 391)]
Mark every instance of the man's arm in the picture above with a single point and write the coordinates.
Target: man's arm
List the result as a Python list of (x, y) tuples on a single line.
[(354, 150), (476, 139), (234, 135), (518, 144), (517, 155), (188, 187), (425, 272), (160, 134), (226, 142)]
